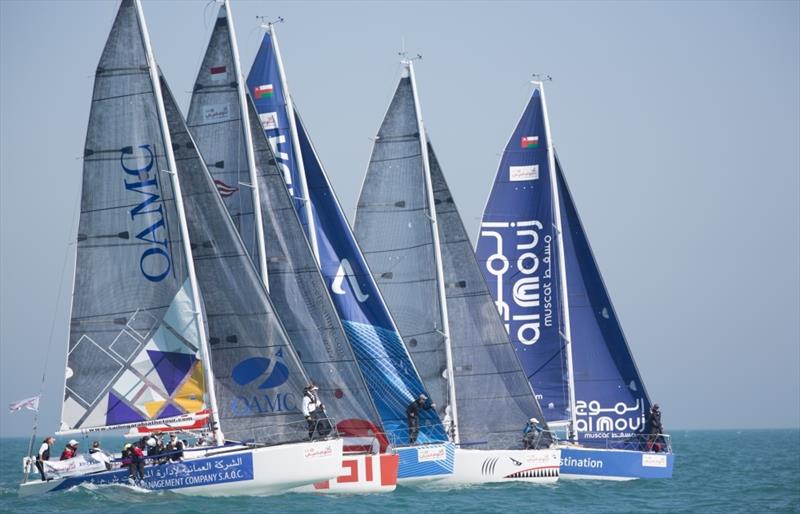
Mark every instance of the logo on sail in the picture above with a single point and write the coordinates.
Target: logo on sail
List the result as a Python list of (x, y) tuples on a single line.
[(155, 261), (224, 189), (269, 120), (346, 270), (521, 173), (255, 368)]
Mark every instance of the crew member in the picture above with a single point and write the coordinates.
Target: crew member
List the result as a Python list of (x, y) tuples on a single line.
[(656, 428), (312, 408), (532, 434), (44, 454), (412, 413), (70, 450), (99, 455)]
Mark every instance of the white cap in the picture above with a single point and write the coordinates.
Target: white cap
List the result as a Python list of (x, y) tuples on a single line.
[(73, 442), (151, 441), (423, 396), (534, 420)]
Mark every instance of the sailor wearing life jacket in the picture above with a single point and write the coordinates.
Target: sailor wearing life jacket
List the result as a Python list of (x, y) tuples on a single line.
[(312, 408)]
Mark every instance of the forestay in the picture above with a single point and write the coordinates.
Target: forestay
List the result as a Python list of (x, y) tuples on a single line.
[(494, 397), (383, 358), (134, 341), (295, 285), (611, 401), (258, 376), (394, 228), (517, 251)]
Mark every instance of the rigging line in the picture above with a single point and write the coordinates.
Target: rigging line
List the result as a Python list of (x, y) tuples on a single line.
[(73, 225)]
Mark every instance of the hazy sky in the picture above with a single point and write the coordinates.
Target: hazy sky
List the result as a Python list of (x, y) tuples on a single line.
[(677, 123)]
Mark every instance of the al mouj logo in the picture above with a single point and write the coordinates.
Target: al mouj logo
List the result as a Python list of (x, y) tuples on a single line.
[(267, 374), (318, 452), (346, 270)]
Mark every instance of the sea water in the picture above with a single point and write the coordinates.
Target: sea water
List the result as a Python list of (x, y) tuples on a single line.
[(715, 471)]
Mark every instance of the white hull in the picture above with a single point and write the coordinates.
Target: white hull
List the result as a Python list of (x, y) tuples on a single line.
[(360, 474), (493, 466), (250, 472)]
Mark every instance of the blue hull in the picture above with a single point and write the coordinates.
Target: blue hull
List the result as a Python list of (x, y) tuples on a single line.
[(429, 460), (611, 464)]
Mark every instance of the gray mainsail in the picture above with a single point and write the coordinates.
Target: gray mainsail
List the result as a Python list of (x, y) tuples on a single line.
[(134, 349), (393, 228), (215, 121), (296, 287), (494, 397), (258, 375)]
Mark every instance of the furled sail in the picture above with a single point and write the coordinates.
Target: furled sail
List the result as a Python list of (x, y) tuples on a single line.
[(385, 362), (134, 349), (296, 287), (493, 394), (611, 401), (517, 251), (393, 226), (258, 376)]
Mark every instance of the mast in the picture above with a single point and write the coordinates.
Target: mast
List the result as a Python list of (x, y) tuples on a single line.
[(248, 143), (298, 154), (187, 248), (562, 271), (451, 389)]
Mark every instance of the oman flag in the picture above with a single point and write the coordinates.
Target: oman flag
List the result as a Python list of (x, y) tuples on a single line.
[(264, 91), (530, 142)]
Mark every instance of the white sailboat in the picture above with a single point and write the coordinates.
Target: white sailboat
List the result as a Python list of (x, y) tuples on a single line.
[(388, 370), (418, 250), (227, 130), (547, 286), (139, 353)]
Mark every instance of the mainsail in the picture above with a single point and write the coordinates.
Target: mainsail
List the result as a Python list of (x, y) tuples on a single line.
[(611, 401), (417, 247), (390, 375), (493, 394), (517, 250), (392, 378), (393, 226), (295, 285), (135, 342), (518, 246), (258, 375)]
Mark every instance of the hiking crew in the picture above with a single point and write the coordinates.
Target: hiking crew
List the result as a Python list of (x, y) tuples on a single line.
[(412, 413)]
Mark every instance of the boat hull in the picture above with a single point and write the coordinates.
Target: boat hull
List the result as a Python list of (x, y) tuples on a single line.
[(492, 466), (613, 464), (249, 472), (425, 462), (360, 474)]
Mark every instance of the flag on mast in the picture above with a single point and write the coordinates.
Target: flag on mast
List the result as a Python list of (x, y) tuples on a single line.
[(28, 403)]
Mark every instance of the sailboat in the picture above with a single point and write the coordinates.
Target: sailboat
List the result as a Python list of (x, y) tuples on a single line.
[(390, 374), (548, 289), (228, 133), (419, 252), (139, 353)]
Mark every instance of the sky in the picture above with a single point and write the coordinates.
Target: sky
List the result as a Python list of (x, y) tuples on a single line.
[(677, 125)]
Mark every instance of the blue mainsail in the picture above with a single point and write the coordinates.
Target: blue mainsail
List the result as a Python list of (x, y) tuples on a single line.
[(516, 249), (518, 246), (611, 401), (390, 374)]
